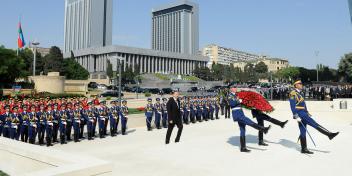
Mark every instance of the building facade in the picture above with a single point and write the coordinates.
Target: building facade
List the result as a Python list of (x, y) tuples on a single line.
[(88, 23), (148, 61), (226, 56), (175, 27), (350, 7), (274, 64)]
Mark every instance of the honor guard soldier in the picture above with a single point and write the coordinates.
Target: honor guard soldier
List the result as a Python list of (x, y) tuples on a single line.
[(193, 110), (106, 116), (2, 119), (164, 113), (76, 122), (186, 110), (205, 109), (41, 124), (32, 131), (49, 126), (6, 122), (238, 115), (149, 114), (217, 106), (14, 123), (157, 112), (101, 119), (55, 122), (25, 124), (114, 118), (227, 104), (124, 116), (304, 118), (63, 123), (260, 116), (211, 108), (83, 121), (90, 112), (69, 121), (199, 111), (182, 104)]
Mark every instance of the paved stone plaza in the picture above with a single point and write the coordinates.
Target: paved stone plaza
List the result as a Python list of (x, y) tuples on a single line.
[(208, 148)]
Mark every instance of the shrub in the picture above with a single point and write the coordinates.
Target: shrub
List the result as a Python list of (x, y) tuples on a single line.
[(147, 94)]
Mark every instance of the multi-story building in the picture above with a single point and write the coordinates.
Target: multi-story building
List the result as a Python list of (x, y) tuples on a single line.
[(175, 27), (95, 60), (88, 23), (350, 7), (274, 64), (226, 56)]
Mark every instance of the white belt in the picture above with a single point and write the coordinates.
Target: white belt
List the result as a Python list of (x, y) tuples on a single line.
[(236, 108)]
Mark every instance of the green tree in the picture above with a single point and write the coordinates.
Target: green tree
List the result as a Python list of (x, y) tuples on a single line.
[(261, 67), (109, 70), (73, 70), (53, 61), (11, 66), (345, 68), (217, 71), (288, 74)]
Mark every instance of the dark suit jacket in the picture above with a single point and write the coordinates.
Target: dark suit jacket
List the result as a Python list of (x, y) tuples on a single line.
[(173, 110)]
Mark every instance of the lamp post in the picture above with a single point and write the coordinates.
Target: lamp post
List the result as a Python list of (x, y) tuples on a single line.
[(119, 65), (271, 85), (317, 54), (35, 44)]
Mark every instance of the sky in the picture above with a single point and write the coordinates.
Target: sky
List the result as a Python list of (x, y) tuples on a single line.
[(291, 29)]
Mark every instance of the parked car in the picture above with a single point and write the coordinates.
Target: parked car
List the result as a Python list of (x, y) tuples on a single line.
[(92, 85), (111, 94), (166, 90), (127, 89), (152, 90), (192, 89), (102, 87)]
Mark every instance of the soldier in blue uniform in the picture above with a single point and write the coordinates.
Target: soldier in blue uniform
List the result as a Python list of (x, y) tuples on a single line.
[(205, 109), (157, 112), (49, 117), (186, 110), (41, 124), (260, 116), (55, 122), (301, 114), (69, 121), (149, 108), (90, 113), (193, 110), (25, 124), (199, 110), (15, 119), (83, 122), (164, 113), (76, 122), (6, 122), (211, 108), (63, 123), (124, 117), (217, 107), (114, 118), (106, 116), (32, 131), (102, 113), (238, 115)]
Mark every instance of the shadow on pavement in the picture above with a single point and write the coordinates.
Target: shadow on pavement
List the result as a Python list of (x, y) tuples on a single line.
[(250, 139)]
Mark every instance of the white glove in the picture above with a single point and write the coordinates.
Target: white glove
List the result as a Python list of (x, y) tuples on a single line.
[(240, 100)]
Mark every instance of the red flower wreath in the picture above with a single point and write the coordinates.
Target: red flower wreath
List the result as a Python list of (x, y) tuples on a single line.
[(253, 100)]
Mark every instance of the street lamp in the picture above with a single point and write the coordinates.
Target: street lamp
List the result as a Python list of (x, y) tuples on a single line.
[(317, 54), (35, 44), (119, 65)]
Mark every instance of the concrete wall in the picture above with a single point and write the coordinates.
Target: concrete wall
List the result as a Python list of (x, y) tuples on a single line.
[(51, 83)]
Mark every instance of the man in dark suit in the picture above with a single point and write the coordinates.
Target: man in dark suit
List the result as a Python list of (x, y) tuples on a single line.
[(174, 116)]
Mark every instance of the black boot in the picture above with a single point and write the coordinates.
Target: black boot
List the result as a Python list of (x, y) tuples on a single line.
[(327, 133), (304, 148), (243, 144), (47, 141), (261, 139), (62, 139), (261, 128)]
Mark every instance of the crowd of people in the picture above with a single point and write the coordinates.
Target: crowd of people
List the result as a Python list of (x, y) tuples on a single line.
[(47, 119)]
